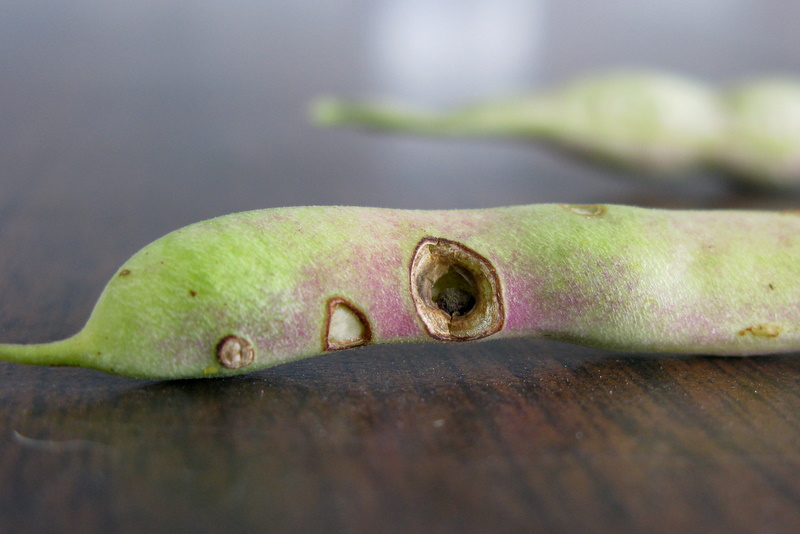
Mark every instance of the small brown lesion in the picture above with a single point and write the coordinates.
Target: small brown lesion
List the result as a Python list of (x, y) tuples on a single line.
[(124, 272), (192, 293), (762, 330), (234, 352), (346, 326), (587, 210)]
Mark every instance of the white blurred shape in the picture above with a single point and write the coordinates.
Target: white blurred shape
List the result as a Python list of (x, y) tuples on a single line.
[(441, 51)]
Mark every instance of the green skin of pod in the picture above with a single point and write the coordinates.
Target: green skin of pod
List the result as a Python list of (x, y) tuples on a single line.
[(647, 121), (616, 277)]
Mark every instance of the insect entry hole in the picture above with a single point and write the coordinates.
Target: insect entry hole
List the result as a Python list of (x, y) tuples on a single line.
[(454, 292)]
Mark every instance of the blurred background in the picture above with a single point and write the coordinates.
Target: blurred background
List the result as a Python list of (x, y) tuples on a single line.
[(121, 121)]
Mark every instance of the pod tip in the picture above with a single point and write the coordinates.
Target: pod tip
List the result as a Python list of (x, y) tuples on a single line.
[(327, 111)]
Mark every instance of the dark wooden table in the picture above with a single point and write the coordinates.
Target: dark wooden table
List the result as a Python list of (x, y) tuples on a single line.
[(119, 123)]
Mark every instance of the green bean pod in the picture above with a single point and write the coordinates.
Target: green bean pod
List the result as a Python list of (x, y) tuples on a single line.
[(256, 289), (646, 121)]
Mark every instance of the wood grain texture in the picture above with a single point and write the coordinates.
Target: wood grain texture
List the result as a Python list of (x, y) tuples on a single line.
[(496, 436)]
